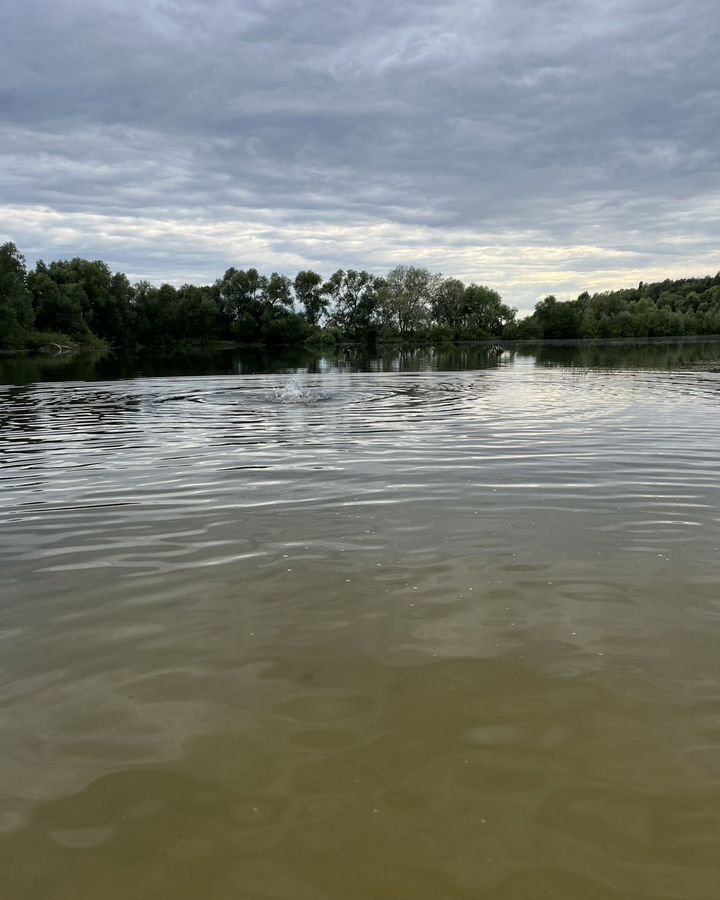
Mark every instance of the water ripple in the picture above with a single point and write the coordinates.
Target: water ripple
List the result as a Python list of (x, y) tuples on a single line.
[(459, 627)]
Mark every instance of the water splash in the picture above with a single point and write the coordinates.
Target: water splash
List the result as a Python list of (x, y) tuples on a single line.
[(294, 392)]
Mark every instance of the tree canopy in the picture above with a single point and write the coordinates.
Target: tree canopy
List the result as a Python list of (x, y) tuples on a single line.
[(684, 306), (86, 302)]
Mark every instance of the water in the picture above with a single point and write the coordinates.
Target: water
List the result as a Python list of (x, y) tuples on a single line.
[(344, 634)]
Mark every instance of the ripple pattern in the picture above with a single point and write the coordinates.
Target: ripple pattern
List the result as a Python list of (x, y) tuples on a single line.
[(431, 634)]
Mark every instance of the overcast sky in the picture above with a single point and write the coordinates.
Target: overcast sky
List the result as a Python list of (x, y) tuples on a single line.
[(536, 146)]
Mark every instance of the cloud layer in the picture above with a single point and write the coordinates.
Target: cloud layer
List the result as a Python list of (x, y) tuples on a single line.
[(535, 146)]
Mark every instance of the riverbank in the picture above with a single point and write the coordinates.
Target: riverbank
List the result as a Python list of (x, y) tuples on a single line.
[(46, 343)]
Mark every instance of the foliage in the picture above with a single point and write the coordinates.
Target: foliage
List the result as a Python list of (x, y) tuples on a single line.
[(308, 287), (406, 300), (16, 312), (84, 302), (662, 309), (355, 298)]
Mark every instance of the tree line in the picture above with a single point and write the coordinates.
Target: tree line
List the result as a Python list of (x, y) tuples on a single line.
[(83, 301), (686, 306)]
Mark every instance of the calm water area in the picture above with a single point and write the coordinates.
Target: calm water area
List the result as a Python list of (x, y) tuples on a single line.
[(409, 626)]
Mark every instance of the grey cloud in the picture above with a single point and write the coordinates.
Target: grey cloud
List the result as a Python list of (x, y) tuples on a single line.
[(577, 123)]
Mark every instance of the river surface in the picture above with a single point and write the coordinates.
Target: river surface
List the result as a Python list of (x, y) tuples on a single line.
[(445, 628)]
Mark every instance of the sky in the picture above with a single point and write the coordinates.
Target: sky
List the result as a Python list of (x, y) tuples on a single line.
[(537, 146)]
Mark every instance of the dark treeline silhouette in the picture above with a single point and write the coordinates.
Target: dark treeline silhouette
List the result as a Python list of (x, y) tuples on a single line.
[(79, 301), (686, 306)]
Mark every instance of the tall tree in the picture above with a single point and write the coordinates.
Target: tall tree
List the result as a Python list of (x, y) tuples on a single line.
[(406, 299), (309, 293), (277, 293), (484, 312), (196, 313), (241, 297), (448, 303), (556, 319), (355, 302), (16, 312)]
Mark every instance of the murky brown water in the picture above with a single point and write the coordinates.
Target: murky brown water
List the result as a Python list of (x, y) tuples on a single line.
[(437, 634)]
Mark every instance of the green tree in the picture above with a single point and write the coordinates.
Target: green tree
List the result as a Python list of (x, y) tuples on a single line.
[(58, 307), (241, 297), (406, 299), (278, 323), (448, 304), (556, 319), (277, 293), (195, 314), (157, 318), (484, 313), (309, 293), (16, 311), (355, 299)]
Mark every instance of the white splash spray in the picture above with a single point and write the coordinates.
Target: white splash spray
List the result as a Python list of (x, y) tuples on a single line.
[(293, 392)]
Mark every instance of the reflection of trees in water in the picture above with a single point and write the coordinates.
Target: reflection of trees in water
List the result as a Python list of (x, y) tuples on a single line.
[(29, 369), (382, 358), (251, 361), (461, 357), (650, 355), (397, 358)]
